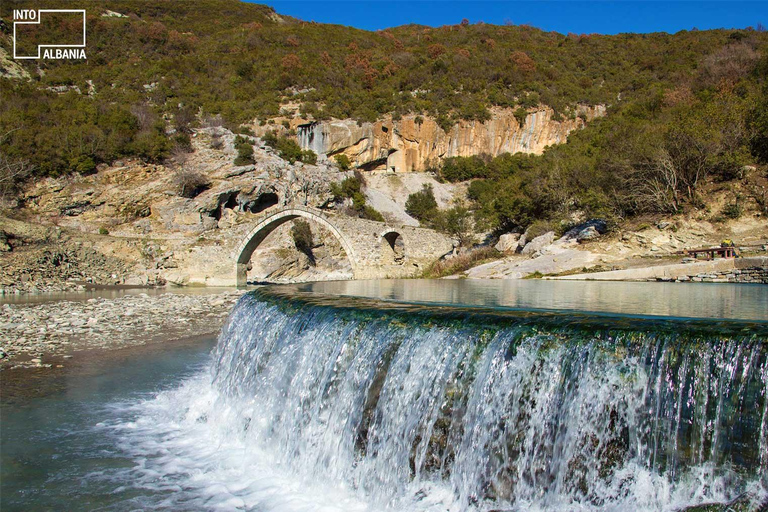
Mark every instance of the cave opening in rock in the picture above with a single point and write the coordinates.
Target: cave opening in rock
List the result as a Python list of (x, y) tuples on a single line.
[(228, 200), (231, 202), (264, 201), (392, 249)]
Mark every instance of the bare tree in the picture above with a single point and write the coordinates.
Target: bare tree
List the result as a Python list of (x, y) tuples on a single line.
[(190, 183), (729, 63), (688, 157), (12, 174), (649, 184), (180, 156), (657, 185), (144, 115), (6, 134)]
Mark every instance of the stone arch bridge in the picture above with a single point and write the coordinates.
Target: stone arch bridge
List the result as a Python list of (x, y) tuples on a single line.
[(375, 250)]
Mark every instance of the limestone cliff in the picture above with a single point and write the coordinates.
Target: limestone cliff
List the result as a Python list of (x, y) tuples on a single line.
[(414, 142)]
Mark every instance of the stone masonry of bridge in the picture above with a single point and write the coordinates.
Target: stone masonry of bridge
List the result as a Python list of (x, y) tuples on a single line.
[(375, 250)]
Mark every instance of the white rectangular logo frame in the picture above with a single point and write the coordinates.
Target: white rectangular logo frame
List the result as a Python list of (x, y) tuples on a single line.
[(37, 22)]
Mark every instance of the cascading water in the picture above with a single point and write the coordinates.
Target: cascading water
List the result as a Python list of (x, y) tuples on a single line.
[(311, 136), (378, 409)]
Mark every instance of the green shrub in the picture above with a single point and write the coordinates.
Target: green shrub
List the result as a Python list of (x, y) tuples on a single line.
[(370, 213), (103, 231), (513, 209), (83, 164), (309, 157), (346, 189), (270, 139), (288, 149), (343, 161), (463, 168), (422, 205), (352, 188), (183, 141), (151, 145), (732, 210), (457, 223), (301, 233), (244, 151), (521, 114)]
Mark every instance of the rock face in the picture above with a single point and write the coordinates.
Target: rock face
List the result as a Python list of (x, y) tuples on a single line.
[(413, 143), (588, 233), (538, 243), (508, 242), (8, 67), (278, 260)]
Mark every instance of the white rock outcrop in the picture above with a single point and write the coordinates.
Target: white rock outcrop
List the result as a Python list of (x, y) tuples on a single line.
[(508, 242)]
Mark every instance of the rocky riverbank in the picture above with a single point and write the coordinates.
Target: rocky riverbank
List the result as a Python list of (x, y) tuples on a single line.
[(35, 335)]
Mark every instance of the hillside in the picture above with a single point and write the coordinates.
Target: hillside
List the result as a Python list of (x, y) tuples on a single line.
[(657, 125), (243, 61)]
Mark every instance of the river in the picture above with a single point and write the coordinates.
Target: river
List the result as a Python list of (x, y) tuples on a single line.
[(415, 396)]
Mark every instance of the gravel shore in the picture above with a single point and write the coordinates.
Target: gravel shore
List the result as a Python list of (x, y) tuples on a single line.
[(31, 334)]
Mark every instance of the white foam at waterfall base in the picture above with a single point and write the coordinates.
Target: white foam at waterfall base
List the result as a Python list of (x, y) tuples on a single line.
[(276, 428), (207, 465), (186, 447)]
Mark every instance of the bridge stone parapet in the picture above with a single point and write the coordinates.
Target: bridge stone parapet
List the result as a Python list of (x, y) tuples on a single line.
[(376, 250)]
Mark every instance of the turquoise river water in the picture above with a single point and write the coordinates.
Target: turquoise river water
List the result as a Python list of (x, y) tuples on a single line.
[(413, 396)]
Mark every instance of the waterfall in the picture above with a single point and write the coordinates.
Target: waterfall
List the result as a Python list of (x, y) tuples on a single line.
[(412, 411), (311, 136)]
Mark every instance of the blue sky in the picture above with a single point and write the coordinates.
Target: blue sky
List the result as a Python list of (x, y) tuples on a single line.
[(605, 17)]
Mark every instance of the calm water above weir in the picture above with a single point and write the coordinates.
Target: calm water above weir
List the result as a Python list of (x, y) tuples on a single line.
[(313, 403), (677, 300)]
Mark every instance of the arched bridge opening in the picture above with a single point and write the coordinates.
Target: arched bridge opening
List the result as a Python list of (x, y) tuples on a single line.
[(392, 248), (272, 222)]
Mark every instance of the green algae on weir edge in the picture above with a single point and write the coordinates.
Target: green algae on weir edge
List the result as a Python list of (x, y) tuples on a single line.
[(292, 295)]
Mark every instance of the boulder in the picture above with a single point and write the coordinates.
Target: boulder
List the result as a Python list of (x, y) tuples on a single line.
[(4, 245), (508, 242), (586, 234), (538, 243), (228, 218), (76, 208), (176, 277), (598, 224), (521, 243)]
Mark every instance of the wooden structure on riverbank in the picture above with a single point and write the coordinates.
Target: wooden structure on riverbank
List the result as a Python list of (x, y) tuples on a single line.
[(712, 252)]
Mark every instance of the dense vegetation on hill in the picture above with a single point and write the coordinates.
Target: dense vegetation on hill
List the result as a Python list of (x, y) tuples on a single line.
[(692, 102), (653, 156)]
